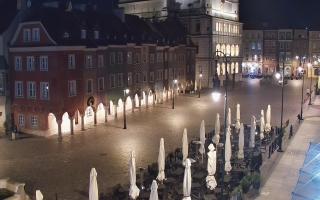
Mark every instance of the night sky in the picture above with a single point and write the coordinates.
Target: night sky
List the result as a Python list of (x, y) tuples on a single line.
[(280, 13)]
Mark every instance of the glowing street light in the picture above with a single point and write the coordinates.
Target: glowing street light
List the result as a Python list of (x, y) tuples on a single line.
[(125, 93)]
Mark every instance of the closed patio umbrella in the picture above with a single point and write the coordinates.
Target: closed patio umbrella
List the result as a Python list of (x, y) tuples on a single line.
[(39, 195), (161, 162), (93, 187), (211, 168), (216, 138), (252, 132), (241, 142), (268, 119), (185, 146), (202, 139), (228, 152), (238, 117), (262, 125), (187, 181), (134, 190), (229, 118), (154, 191)]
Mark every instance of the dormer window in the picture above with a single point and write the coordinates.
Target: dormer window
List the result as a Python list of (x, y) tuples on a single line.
[(83, 34), (36, 34), (96, 34), (66, 35), (26, 35)]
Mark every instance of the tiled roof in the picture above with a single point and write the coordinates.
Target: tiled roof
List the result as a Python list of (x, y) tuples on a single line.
[(112, 30)]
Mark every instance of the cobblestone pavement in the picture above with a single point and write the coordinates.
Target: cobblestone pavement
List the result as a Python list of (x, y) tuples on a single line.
[(285, 175), (63, 167)]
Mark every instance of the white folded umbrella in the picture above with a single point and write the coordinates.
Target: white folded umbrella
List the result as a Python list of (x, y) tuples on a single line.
[(268, 119), (134, 190), (154, 191), (211, 168), (216, 138), (185, 145), (93, 187), (238, 117), (252, 132), (161, 161), (202, 139), (187, 181), (228, 152), (262, 125), (241, 142)]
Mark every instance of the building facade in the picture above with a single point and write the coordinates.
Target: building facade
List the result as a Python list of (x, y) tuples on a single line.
[(72, 76), (213, 25), (253, 53)]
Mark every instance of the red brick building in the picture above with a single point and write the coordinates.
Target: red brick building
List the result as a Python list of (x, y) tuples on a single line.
[(69, 67)]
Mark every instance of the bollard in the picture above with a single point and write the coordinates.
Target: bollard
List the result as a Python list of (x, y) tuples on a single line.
[(13, 135)]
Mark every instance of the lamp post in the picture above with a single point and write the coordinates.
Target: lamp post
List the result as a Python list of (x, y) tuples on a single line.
[(301, 70), (200, 81), (311, 70), (175, 81), (280, 77), (216, 95), (125, 93)]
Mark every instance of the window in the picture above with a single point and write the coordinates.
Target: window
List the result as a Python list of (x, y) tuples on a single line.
[(145, 77), (34, 121), (36, 34), (26, 35), (151, 58), (112, 81), (18, 88), (96, 35), (198, 27), (112, 58), (43, 63), (100, 61), (17, 63), (89, 86), (44, 90), (30, 63), (166, 74), (31, 85), (137, 58), (72, 88), (88, 61), (159, 58), (151, 76), (21, 121), (101, 84), (129, 57), (130, 78), (83, 34), (137, 78), (120, 58), (120, 80), (71, 61)]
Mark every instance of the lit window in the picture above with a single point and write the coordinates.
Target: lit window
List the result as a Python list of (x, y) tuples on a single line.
[(44, 90), (36, 34), (21, 120), (43, 63), (18, 89), (34, 121), (31, 86), (30, 63), (17, 63), (72, 88), (71, 61)]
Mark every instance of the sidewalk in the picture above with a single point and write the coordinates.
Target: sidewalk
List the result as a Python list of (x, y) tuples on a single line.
[(285, 174)]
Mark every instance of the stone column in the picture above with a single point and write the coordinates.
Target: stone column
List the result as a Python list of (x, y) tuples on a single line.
[(95, 117), (71, 126), (82, 122), (105, 114), (59, 122)]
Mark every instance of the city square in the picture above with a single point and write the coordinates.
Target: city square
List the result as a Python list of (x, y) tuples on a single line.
[(159, 99)]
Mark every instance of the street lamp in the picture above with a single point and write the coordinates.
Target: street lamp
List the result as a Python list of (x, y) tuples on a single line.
[(280, 78), (216, 96), (310, 66), (175, 81), (301, 70), (200, 80), (125, 93)]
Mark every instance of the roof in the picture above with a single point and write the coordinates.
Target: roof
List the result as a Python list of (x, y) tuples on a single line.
[(8, 11), (112, 29), (3, 63)]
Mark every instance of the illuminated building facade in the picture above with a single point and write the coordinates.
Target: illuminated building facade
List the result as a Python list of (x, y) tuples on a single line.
[(211, 24)]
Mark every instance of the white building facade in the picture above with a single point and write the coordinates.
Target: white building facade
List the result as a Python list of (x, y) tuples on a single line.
[(212, 25)]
